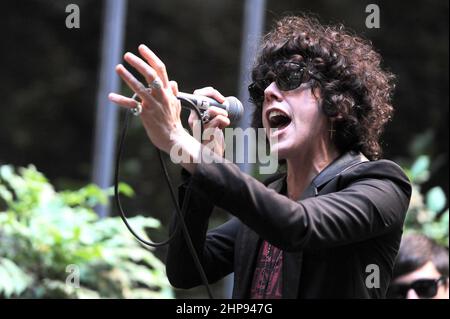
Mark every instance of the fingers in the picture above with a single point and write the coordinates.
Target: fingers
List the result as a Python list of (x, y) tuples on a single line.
[(134, 84), (155, 63), (122, 100), (143, 68), (211, 92), (192, 117), (147, 72), (219, 118), (214, 111), (219, 121), (174, 87), (152, 69)]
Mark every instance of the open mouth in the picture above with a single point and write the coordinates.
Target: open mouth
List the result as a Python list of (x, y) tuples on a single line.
[(278, 119)]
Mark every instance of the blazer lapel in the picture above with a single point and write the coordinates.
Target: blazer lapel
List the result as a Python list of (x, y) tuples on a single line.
[(339, 165)]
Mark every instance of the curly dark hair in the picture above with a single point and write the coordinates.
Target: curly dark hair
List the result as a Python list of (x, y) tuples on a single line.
[(356, 92)]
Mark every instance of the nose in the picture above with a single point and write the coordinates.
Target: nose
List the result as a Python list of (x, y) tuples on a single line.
[(272, 92), (412, 294)]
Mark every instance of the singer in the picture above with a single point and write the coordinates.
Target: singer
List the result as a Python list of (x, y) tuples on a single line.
[(330, 227)]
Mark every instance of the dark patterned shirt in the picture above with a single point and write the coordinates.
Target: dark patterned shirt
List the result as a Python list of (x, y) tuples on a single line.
[(267, 283)]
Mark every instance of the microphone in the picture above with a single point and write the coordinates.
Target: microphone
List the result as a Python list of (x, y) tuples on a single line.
[(232, 105)]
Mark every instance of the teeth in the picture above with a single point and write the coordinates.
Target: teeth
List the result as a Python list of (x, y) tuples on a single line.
[(274, 113)]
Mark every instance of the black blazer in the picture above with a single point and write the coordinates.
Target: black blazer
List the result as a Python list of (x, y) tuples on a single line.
[(345, 228)]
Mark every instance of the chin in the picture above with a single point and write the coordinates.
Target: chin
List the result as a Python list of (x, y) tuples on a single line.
[(281, 151)]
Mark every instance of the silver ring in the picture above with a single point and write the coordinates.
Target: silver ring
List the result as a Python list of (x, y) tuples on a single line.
[(206, 117), (156, 84), (137, 110)]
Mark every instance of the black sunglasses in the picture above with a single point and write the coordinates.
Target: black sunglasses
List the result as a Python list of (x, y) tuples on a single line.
[(287, 75), (424, 288)]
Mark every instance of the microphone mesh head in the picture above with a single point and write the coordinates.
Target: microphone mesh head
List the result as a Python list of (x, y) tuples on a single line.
[(235, 109)]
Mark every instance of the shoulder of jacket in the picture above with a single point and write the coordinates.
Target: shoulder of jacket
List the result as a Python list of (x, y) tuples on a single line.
[(379, 169)]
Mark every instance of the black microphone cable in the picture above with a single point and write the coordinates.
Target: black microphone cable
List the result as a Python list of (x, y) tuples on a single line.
[(180, 213)]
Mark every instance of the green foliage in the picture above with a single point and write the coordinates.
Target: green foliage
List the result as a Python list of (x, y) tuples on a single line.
[(425, 214), (55, 246)]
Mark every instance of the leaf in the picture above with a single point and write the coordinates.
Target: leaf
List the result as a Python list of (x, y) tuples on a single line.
[(6, 172), (141, 222), (419, 170), (60, 289), (141, 293), (435, 199), (138, 273), (421, 142), (126, 190), (6, 284), (5, 194), (89, 195), (84, 293), (13, 281), (19, 277)]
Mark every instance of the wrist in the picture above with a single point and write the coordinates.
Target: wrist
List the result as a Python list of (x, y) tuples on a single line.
[(184, 149)]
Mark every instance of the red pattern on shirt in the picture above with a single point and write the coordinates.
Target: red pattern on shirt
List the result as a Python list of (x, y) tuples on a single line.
[(267, 278)]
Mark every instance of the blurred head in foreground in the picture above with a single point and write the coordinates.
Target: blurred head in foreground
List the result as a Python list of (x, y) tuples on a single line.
[(421, 270)]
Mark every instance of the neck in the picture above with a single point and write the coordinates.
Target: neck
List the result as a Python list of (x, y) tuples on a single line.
[(302, 168)]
